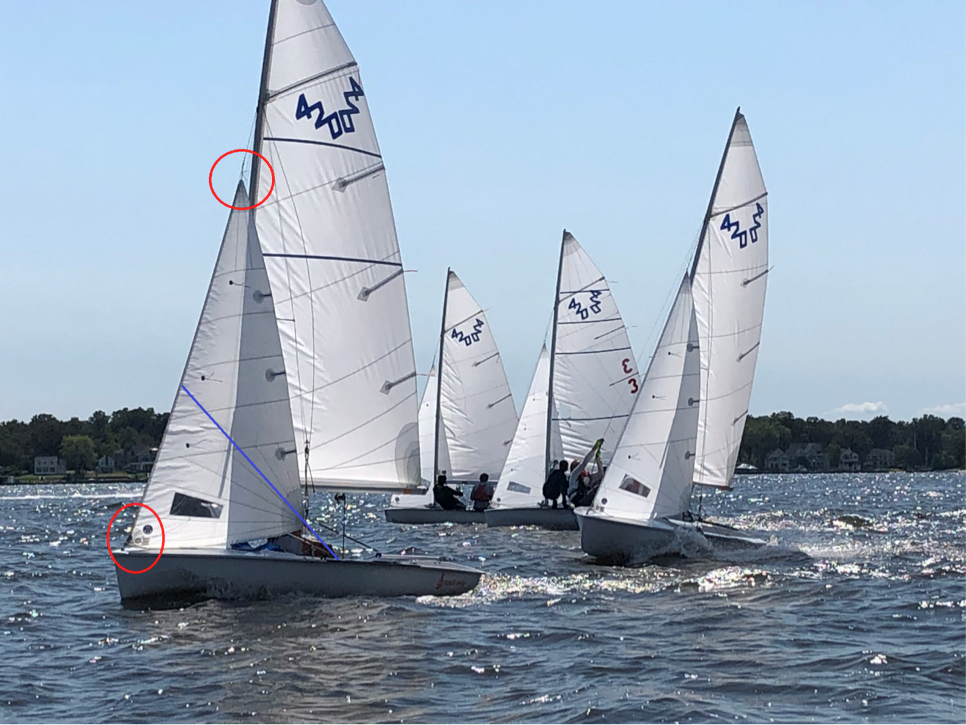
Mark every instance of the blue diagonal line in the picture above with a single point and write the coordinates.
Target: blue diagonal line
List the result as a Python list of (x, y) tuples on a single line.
[(259, 471)]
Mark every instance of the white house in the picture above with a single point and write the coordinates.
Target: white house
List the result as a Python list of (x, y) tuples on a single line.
[(49, 466), (849, 460)]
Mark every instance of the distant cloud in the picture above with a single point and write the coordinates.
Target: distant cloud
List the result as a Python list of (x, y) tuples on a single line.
[(860, 410), (946, 411)]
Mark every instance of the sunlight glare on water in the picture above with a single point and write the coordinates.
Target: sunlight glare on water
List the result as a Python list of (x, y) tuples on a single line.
[(854, 613)]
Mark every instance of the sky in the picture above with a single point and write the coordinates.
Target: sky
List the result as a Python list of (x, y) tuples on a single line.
[(501, 124)]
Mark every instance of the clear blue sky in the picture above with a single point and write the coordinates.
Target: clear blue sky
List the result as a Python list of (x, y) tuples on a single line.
[(502, 123)]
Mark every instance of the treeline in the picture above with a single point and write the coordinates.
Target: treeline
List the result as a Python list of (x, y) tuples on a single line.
[(927, 442), (122, 435)]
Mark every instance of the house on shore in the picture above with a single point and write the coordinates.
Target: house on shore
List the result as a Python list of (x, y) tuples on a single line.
[(811, 453), (849, 461), (879, 459), (777, 460), (49, 466), (106, 464)]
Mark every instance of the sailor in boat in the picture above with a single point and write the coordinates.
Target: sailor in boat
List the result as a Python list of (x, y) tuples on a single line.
[(557, 485), (482, 494), (582, 495), (445, 496)]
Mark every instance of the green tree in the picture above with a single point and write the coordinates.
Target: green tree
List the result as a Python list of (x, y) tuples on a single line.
[(833, 454), (908, 457), (928, 436), (45, 434), (78, 452), (879, 430), (762, 435)]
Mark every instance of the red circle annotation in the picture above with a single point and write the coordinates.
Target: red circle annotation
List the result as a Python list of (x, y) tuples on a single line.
[(236, 151), (129, 571)]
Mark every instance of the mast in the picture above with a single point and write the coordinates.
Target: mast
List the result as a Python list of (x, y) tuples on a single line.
[(439, 382), (262, 101), (553, 352), (714, 193)]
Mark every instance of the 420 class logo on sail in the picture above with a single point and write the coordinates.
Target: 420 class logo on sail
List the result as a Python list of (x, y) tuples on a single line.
[(471, 337), (338, 121), (743, 235), (593, 305)]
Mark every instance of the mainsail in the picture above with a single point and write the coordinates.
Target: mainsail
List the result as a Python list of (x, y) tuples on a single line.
[(650, 473), (594, 376), (728, 281), (477, 415), (333, 260), (467, 417), (525, 470), (203, 489)]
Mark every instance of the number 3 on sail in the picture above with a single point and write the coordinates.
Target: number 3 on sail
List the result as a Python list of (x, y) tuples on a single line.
[(629, 370)]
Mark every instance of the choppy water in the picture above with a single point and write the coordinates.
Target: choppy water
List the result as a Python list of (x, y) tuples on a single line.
[(841, 619)]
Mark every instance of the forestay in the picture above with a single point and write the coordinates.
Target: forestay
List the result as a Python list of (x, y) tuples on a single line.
[(728, 282), (595, 377), (478, 417), (333, 260), (203, 489), (525, 470), (650, 474)]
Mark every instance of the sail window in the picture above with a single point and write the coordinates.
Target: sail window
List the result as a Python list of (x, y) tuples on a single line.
[(517, 487), (635, 486), (183, 505)]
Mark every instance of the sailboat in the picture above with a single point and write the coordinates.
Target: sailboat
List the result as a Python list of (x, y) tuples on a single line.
[(686, 425), (302, 361), (467, 416), (582, 390)]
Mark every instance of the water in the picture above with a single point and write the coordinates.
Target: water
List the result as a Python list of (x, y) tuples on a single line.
[(855, 613)]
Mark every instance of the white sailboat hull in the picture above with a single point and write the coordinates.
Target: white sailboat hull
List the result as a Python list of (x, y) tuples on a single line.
[(423, 515), (558, 519), (214, 573), (623, 541)]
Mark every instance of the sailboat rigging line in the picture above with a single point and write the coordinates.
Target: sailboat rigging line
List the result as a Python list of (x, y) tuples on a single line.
[(350, 538), (322, 143), (264, 477), (340, 497)]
